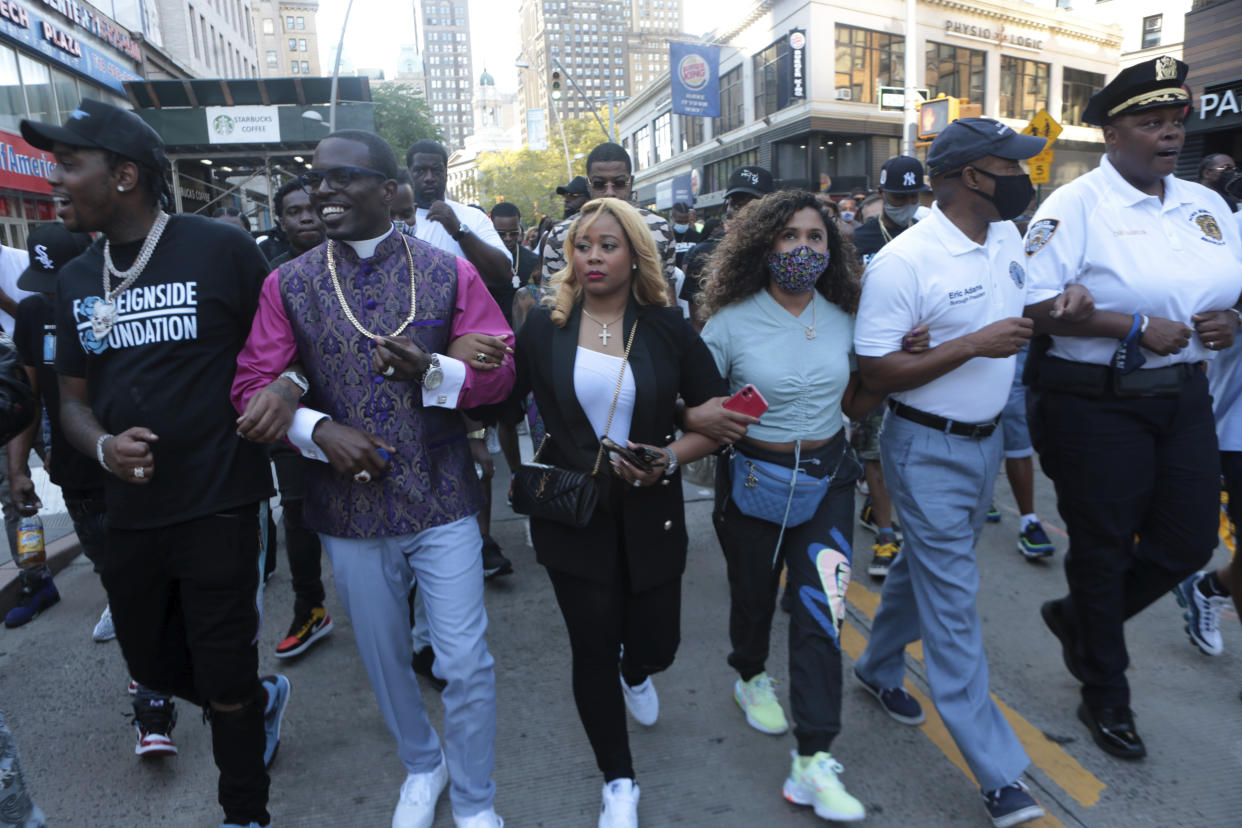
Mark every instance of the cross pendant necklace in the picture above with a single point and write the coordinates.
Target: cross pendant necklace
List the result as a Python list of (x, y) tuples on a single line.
[(603, 334)]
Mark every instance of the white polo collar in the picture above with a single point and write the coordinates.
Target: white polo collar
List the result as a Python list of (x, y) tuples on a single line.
[(1129, 195)]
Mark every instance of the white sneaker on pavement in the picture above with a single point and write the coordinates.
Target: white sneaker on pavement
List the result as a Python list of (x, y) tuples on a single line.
[(104, 628), (620, 805), (416, 808), (483, 819), (641, 701)]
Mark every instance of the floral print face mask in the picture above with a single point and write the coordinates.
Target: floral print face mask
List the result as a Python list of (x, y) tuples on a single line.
[(796, 271)]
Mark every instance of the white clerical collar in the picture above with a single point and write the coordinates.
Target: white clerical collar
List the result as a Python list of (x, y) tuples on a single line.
[(365, 248)]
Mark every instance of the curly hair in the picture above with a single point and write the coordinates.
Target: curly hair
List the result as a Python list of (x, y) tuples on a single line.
[(648, 283), (738, 268)]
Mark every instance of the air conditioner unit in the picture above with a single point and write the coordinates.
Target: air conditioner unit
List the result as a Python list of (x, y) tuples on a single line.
[(845, 94)]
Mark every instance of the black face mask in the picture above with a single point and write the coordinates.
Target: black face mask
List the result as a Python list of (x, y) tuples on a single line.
[(1012, 194)]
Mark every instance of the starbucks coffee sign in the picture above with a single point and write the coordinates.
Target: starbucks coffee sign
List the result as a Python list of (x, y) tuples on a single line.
[(243, 124)]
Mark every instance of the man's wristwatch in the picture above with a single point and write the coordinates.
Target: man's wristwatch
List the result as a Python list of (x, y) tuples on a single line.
[(434, 375), (672, 461), (477, 434), (460, 233), (298, 380)]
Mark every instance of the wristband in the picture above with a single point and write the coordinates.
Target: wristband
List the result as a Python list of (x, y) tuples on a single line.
[(1136, 327), (99, 451), (1143, 327)]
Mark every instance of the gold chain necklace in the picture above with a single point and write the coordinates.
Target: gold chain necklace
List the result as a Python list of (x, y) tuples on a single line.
[(349, 314)]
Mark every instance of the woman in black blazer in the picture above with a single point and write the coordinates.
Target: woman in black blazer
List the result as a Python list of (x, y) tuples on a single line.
[(618, 579)]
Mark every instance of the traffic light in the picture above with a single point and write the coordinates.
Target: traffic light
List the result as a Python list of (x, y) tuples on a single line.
[(556, 85), (935, 115)]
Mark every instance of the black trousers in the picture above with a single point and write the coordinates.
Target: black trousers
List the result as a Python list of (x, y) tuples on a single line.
[(814, 626), (1145, 468), (600, 619), (183, 600), (301, 544)]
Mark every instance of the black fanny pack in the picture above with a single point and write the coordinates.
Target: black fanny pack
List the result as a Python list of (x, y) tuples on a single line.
[(1090, 380)]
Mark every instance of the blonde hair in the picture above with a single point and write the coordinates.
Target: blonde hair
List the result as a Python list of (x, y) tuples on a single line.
[(647, 284)]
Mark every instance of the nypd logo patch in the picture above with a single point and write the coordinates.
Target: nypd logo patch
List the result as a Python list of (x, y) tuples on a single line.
[(1206, 222), (1039, 234), (1017, 274)]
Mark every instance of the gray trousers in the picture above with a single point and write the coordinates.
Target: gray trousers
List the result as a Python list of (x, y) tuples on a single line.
[(17, 810)]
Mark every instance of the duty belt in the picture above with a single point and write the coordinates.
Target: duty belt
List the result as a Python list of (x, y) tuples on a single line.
[(1090, 380), (975, 431)]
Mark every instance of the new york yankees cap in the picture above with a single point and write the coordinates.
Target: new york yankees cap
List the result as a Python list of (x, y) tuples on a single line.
[(753, 180), (51, 246), (903, 174)]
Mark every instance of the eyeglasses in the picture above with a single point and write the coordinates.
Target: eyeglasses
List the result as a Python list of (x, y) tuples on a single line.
[(1226, 168), (338, 178)]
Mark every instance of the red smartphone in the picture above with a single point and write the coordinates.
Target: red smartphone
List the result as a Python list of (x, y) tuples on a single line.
[(747, 401)]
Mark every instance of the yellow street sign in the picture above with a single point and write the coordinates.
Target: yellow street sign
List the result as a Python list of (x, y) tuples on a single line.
[(1041, 173), (1044, 126), (1045, 157)]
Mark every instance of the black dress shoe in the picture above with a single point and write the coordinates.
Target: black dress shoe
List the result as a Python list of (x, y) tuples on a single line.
[(1112, 728), (1053, 615), (422, 661)]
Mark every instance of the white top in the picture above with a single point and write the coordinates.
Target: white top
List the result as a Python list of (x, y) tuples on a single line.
[(1225, 383), (595, 383), (13, 261), (435, 233), (1136, 254), (758, 342), (933, 275)]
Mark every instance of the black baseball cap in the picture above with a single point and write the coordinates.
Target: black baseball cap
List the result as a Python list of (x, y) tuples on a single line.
[(1147, 85), (903, 174), (99, 125), (969, 139), (576, 186), (51, 246), (754, 181)]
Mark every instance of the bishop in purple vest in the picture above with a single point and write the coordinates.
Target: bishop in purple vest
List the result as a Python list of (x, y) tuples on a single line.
[(371, 315)]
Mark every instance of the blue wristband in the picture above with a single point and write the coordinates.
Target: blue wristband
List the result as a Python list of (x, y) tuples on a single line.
[(1134, 328)]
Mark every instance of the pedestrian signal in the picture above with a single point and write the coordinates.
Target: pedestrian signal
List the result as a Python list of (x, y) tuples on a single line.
[(935, 115), (556, 85)]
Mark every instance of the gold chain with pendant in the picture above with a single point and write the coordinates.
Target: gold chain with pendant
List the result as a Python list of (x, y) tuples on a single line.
[(340, 294)]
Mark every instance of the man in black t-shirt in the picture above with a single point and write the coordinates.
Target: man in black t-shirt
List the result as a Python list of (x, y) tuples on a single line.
[(149, 322), (685, 237)]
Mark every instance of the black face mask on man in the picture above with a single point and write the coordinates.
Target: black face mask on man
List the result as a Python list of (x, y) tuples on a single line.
[(1012, 193)]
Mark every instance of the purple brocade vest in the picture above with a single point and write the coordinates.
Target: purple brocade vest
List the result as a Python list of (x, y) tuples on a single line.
[(431, 480)]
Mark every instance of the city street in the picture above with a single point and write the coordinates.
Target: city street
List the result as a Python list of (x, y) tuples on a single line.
[(700, 765)]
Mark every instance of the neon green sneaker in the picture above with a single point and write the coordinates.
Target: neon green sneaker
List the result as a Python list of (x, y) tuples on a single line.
[(813, 781), (758, 702)]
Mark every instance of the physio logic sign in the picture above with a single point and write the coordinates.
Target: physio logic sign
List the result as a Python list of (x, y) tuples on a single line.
[(243, 124)]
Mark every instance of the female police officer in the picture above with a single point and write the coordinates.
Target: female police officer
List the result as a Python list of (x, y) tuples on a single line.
[(1120, 411)]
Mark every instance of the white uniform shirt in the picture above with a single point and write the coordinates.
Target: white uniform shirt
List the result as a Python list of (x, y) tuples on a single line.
[(933, 275), (435, 233), (1136, 254)]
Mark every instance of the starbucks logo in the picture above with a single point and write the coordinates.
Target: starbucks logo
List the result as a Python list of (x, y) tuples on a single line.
[(223, 125)]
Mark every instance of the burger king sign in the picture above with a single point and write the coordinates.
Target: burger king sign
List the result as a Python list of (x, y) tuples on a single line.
[(695, 79)]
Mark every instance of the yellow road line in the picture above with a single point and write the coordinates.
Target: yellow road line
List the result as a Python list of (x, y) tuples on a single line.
[(1047, 755)]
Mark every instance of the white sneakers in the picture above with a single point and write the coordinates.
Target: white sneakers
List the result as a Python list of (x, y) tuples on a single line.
[(620, 806), (641, 701), (483, 819), (417, 806), (104, 629)]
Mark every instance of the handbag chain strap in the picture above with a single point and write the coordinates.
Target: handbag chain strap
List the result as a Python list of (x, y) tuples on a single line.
[(625, 358)]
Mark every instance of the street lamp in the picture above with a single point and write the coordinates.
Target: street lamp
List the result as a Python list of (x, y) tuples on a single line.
[(336, 70)]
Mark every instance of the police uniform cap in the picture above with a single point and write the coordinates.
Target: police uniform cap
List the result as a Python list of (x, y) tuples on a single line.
[(1147, 85)]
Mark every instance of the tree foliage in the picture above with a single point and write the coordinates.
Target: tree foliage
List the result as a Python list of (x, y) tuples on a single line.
[(529, 178), (402, 116)]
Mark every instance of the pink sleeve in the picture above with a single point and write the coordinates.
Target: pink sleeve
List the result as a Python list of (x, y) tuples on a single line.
[(477, 312), (269, 348)]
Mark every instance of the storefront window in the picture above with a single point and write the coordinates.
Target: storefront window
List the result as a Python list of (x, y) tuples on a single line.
[(716, 176), (731, 109), (791, 162), (867, 59), (1023, 87), (956, 71), (38, 82), (841, 161), (773, 72), (67, 96), (12, 102), (1077, 87)]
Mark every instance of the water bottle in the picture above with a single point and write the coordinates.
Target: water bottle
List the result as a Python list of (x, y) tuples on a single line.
[(30, 551)]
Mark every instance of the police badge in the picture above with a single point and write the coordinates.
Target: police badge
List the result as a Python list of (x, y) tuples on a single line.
[(1017, 274), (1208, 226), (1038, 234)]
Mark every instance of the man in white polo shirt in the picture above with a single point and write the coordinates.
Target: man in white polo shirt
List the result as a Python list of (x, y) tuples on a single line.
[(960, 273)]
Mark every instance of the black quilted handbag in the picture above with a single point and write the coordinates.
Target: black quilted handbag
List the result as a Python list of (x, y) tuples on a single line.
[(564, 495)]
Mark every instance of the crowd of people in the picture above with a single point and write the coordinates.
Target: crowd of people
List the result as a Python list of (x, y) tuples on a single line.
[(392, 340)]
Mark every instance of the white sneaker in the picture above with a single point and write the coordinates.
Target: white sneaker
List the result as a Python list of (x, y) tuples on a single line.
[(620, 806), (483, 819), (641, 701), (417, 806), (104, 629)]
